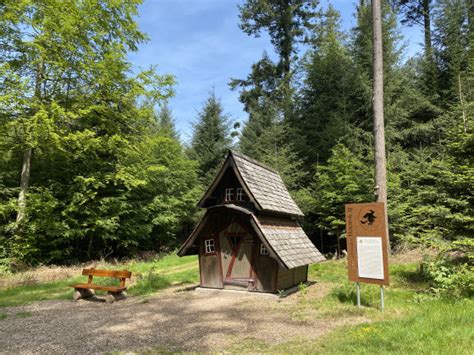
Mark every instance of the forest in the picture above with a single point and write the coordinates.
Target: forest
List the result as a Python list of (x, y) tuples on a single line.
[(91, 164)]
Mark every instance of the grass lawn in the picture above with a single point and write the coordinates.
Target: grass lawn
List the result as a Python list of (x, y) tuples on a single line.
[(435, 327), (147, 277), (412, 322)]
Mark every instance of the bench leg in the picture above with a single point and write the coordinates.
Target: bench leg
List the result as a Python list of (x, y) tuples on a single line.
[(82, 293), (76, 296), (115, 296)]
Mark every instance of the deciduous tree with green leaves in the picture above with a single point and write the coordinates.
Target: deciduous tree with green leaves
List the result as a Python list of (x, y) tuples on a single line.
[(72, 113)]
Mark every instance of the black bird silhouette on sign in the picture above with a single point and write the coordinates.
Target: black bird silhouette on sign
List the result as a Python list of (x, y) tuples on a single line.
[(369, 218)]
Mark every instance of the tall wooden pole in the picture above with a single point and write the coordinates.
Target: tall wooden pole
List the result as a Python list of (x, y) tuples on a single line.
[(379, 132)]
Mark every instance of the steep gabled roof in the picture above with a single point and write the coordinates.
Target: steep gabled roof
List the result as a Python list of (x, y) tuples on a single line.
[(263, 185), (283, 237)]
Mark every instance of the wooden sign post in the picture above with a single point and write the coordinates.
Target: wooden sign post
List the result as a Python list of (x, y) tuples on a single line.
[(367, 245)]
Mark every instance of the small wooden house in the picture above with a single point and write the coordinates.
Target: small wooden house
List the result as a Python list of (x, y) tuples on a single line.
[(249, 238)]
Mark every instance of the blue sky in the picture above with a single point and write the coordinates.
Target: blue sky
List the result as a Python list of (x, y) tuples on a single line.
[(200, 43)]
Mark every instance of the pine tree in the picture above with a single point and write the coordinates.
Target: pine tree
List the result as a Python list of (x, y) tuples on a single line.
[(452, 39), (326, 112), (264, 136), (261, 98), (286, 22), (166, 122), (420, 12), (410, 115), (346, 178), (433, 193), (361, 51), (211, 138), (267, 93)]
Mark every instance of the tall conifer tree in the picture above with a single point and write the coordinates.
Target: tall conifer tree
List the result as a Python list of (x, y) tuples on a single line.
[(287, 23), (166, 122), (420, 12), (326, 110), (452, 41), (267, 93), (211, 138)]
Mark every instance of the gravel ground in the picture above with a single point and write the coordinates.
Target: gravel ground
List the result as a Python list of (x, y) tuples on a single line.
[(174, 321)]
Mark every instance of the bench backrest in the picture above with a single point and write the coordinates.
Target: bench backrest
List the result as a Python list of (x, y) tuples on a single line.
[(119, 274)]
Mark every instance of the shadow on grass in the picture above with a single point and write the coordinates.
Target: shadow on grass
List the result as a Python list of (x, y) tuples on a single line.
[(409, 275), (154, 282), (348, 295)]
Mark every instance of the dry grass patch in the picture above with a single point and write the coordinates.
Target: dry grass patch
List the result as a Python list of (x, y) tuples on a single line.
[(406, 255)]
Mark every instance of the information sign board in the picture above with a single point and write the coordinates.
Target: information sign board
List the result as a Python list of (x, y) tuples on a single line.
[(370, 257), (367, 247)]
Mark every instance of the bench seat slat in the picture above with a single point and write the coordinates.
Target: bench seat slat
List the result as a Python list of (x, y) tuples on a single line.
[(99, 287), (107, 273)]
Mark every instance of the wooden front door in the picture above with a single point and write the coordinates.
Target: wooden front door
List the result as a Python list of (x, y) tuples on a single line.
[(236, 252), (209, 263)]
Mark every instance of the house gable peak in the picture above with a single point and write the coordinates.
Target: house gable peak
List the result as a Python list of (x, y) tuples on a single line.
[(263, 185)]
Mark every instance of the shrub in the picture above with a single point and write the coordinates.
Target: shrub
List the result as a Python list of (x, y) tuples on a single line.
[(451, 272)]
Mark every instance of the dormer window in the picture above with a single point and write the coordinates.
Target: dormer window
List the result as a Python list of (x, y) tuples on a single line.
[(229, 194), (240, 194), (263, 250)]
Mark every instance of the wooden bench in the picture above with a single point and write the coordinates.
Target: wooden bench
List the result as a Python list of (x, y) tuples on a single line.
[(114, 293)]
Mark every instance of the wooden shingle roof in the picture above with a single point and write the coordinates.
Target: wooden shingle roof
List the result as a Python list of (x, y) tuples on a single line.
[(264, 185), (289, 242)]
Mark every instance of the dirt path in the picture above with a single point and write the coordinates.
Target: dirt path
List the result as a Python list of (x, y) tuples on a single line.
[(174, 321)]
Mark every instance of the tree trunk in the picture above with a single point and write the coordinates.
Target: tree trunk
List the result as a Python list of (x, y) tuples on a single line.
[(286, 51), (24, 182), (461, 101), (427, 30), (26, 166), (379, 131), (430, 67), (470, 17)]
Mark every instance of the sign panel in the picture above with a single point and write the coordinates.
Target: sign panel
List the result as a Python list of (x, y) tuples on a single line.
[(366, 233), (370, 257)]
